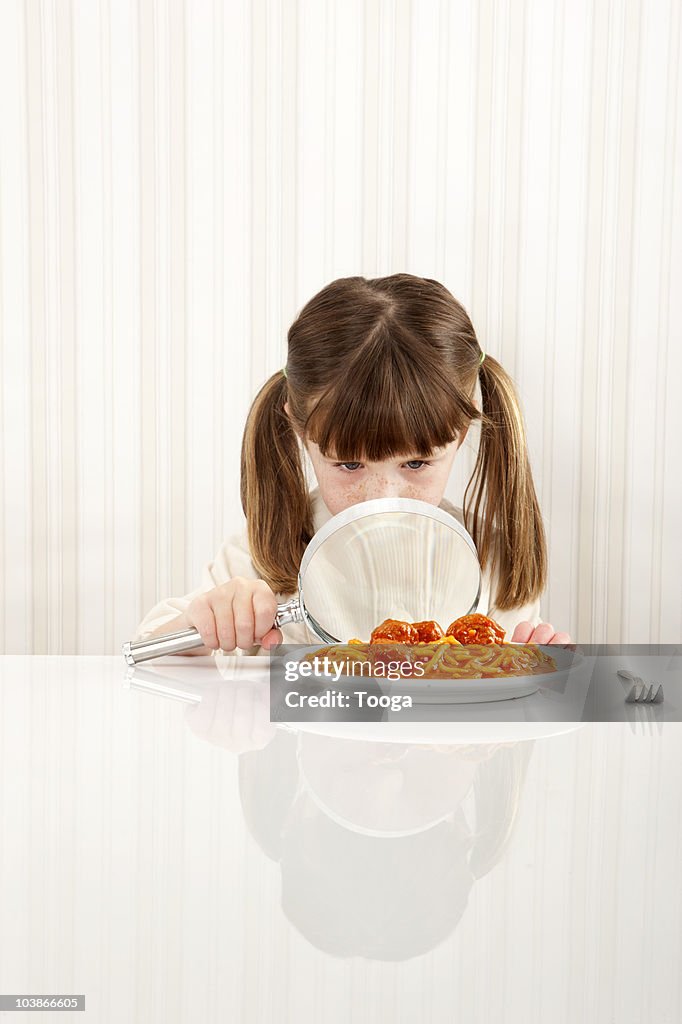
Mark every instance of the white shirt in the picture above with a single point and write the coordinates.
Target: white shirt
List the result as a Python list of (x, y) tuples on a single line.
[(234, 559)]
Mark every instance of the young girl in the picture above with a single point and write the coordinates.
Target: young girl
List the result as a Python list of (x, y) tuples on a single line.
[(379, 389)]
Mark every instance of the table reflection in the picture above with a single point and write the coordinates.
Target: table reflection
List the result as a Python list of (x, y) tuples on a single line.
[(378, 842)]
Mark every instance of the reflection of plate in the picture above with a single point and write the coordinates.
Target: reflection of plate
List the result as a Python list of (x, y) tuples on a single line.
[(186, 681), (472, 691), (446, 733)]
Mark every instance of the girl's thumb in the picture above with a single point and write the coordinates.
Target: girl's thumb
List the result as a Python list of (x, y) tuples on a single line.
[(272, 638)]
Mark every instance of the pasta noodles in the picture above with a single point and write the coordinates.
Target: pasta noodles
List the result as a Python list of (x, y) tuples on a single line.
[(472, 647)]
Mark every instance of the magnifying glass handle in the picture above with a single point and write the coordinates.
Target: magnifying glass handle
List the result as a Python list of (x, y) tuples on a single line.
[(136, 651), (290, 611)]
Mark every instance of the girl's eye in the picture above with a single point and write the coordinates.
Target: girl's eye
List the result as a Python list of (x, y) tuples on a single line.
[(349, 465), (417, 463)]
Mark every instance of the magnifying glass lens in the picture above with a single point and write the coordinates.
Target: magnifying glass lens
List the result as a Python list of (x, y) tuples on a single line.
[(389, 558)]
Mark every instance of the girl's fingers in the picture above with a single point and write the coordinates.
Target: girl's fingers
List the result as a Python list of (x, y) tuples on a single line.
[(522, 633), (542, 634), (264, 610), (203, 619), (221, 607), (242, 611), (526, 633)]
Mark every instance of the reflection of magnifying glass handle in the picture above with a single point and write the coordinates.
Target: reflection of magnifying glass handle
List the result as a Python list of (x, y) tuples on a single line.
[(160, 685), (136, 651)]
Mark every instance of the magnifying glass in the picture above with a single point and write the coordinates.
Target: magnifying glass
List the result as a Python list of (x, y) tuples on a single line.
[(392, 558)]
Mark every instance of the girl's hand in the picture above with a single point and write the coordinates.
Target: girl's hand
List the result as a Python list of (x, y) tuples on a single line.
[(239, 613), (235, 717), (542, 634)]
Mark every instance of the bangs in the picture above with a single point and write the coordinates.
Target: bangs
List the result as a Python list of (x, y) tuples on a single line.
[(391, 401)]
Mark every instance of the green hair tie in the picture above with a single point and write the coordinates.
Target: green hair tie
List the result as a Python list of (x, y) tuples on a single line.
[(284, 371), (480, 361)]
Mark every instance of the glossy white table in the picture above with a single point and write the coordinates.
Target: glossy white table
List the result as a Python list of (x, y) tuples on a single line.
[(181, 861)]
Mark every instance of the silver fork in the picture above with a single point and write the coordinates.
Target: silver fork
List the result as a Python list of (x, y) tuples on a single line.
[(640, 693)]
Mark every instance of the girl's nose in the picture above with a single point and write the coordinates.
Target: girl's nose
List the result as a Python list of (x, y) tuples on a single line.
[(385, 488)]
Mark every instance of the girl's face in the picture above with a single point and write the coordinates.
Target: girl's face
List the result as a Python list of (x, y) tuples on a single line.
[(346, 483)]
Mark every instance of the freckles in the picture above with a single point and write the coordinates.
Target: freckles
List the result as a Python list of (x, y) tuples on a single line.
[(341, 496), (355, 494), (429, 494)]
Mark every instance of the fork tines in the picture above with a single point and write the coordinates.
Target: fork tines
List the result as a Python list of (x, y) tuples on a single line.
[(640, 693)]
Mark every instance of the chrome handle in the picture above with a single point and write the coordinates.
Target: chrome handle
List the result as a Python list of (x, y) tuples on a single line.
[(290, 611), (136, 651)]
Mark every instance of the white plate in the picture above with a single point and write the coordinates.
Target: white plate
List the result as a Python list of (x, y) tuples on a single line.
[(472, 691)]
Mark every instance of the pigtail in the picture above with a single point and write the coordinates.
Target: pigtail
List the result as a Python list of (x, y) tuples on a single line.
[(274, 493), (504, 516)]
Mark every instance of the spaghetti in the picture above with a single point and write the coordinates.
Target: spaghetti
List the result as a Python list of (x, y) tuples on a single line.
[(472, 647)]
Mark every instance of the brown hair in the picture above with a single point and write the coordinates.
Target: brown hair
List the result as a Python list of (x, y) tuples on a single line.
[(378, 368)]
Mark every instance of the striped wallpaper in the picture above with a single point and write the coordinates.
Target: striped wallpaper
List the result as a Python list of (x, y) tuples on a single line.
[(177, 178)]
